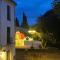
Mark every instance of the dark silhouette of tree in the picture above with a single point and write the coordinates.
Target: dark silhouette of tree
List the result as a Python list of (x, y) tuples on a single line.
[(24, 22), (16, 22), (56, 5), (49, 24), (49, 20)]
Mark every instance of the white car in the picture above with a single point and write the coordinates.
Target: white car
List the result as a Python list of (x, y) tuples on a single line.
[(36, 44)]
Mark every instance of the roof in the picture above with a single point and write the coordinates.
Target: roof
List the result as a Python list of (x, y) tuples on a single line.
[(12, 1)]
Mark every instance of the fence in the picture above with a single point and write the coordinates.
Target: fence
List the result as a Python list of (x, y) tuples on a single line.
[(38, 55)]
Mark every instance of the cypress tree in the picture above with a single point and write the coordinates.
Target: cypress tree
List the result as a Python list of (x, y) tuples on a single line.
[(24, 22)]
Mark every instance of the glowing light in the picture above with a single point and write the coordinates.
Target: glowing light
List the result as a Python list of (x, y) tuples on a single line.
[(19, 43), (3, 55), (32, 31), (19, 39), (22, 35)]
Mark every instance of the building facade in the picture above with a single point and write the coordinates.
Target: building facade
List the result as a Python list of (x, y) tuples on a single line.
[(7, 29)]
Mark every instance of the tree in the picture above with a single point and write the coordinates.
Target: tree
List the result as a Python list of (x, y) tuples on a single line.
[(49, 23), (16, 22), (56, 5), (24, 22)]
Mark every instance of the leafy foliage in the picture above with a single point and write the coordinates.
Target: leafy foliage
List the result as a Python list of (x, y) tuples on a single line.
[(49, 23)]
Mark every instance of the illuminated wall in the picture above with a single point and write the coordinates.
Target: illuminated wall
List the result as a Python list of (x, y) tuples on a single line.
[(3, 55), (22, 41), (19, 40)]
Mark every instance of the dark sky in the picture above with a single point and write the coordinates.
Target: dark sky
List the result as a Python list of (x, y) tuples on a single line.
[(32, 9)]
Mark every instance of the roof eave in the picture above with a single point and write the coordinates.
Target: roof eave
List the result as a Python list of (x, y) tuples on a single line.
[(12, 1)]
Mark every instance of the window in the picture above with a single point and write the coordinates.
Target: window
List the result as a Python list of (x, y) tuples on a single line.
[(8, 13), (8, 35)]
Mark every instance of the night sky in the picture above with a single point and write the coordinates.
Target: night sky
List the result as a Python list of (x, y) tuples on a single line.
[(32, 9)]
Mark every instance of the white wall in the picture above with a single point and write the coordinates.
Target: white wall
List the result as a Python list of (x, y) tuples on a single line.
[(0, 16), (5, 23)]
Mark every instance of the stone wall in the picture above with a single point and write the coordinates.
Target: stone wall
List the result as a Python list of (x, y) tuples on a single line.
[(38, 54)]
